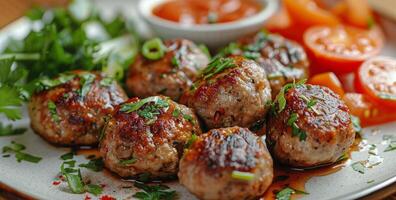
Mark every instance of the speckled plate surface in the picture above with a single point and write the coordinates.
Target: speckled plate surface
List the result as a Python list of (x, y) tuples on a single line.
[(36, 180)]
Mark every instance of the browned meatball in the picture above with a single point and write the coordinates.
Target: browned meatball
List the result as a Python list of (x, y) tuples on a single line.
[(147, 137), (227, 163), (314, 128), (71, 109), (231, 92), (171, 74), (284, 60)]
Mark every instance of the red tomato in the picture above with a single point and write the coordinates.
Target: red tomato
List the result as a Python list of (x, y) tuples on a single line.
[(329, 80), (377, 78), (341, 49), (368, 111), (307, 13), (354, 12)]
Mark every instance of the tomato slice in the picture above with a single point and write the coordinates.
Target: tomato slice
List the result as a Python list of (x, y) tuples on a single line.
[(341, 49), (329, 80), (377, 78), (307, 13), (369, 112)]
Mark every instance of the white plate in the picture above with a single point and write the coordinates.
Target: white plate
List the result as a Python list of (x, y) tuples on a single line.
[(36, 180)]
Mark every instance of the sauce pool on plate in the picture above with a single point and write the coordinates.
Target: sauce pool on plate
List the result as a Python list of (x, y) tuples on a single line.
[(191, 12)]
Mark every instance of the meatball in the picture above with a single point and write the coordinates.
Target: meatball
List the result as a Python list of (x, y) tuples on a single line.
[(147, 137), (231, 91), (284, 61), (71, 109), (313, 128), (171, 74), (227, 163)]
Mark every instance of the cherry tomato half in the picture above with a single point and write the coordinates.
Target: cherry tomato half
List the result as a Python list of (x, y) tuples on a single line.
[(341, 49), (369, 112), (377, 78), (307, 13), (329, 80)]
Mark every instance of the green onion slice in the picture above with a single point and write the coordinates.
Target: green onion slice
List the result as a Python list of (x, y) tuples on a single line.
[(243, 176), (153, 49)]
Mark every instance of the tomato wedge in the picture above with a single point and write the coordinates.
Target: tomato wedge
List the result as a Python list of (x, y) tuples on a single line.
[(368, 111), (329, 80), (377, 78), (307, 13), (341, 49)]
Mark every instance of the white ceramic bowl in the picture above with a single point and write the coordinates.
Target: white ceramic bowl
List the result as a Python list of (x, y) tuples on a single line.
[(213, 35)]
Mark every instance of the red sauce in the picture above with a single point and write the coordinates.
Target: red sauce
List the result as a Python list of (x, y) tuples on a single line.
[(56, 183), (206, 11)]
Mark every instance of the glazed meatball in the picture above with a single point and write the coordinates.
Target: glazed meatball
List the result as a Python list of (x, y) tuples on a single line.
[(227, 163), (147, 137), (71, 109), (169, 75), (314, 128), (231, 91), (284, 61)]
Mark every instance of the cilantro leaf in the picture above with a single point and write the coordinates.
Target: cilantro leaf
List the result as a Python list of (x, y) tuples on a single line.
[(19, 155), (359, 167), (95, 165)]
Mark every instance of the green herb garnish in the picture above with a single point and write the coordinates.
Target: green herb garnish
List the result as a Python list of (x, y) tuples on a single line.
[(359, 167), (175, 62), (154, 192), (217, 65), (176, 113), (9, 130), (52, 110), (287, 192), (86, 81), (191, 141), (95, 165), (154, 49), (205, 50), (356, 124), (149, 111), (106, 82), (128, 161), (296, 131), (19, 155), (242, 176), (280, 99), (46, 83), (67, 156)]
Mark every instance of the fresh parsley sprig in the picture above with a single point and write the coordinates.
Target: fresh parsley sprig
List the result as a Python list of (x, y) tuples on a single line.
[(280, 99), (154, 192), (18, 149), (9, 130), (287, 192)]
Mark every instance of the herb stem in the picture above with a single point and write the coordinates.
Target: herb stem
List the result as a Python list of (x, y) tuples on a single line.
[(21, 56)]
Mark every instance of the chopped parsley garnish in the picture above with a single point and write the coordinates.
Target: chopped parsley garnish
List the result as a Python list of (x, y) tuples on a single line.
[(149, 111), (46, 83), (19, 154), (52, 110), (356, 124), (188, 118), (128, 161), (67, 156), (95, 165), (359, 167), (370, 181), (217, 65), (175, 61), (86, 81), (296, 131), (392, 142), (106, 82), (242, 176), (176, 113), (74, 178), (191, 141), (154, 192), (9, 130), (144, 177), (280, 99), (287, 192), (342, 157)]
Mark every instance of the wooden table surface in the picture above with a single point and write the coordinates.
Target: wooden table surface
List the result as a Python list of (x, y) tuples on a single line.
[(11, 10)]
